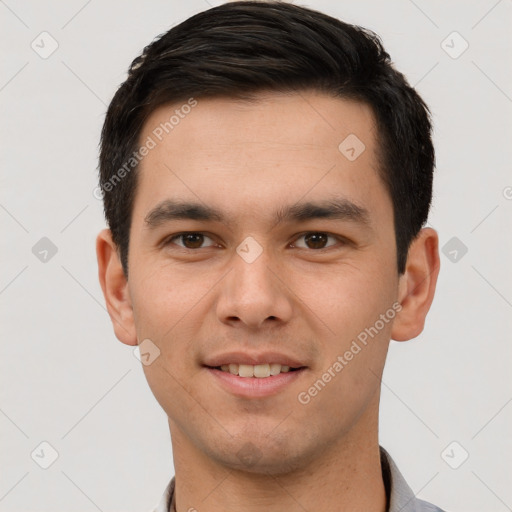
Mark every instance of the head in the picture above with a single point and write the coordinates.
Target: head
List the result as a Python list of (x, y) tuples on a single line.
[(237, 50), (300, 163)]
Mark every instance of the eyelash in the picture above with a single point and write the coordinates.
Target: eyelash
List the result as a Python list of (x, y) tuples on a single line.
[(341, 240)]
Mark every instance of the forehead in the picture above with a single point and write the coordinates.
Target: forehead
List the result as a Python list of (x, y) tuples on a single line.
[(278, 148), (306, 121)]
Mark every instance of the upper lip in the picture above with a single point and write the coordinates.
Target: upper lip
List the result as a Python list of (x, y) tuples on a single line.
[(253, 359)]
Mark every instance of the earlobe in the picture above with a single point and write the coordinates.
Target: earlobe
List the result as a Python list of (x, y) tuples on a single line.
[(115, 288), (417, 285)]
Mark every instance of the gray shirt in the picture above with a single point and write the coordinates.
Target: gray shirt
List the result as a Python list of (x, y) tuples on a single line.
[(399, 494)]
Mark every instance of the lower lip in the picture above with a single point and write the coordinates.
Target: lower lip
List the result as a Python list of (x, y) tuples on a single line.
[(254, 387)]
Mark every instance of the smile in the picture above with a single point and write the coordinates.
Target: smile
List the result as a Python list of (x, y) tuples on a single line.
[(254, 381), (259, 371)]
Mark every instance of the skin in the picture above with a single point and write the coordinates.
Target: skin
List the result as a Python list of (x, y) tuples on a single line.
[(248, 159)]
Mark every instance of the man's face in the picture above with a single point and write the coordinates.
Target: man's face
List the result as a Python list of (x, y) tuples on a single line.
[(265, 280)]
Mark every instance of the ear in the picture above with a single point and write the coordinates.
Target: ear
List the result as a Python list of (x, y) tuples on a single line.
[(417, 285), (115, 288)]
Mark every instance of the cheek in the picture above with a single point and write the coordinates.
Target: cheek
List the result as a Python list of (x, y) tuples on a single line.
[(167, 312), (347, 299), (160, 312), (164, 299), (349, 304)]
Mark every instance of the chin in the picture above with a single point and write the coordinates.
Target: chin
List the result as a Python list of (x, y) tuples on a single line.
[(264, 455)]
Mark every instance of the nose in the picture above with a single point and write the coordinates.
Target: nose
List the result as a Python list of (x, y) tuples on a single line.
[(254, 294)]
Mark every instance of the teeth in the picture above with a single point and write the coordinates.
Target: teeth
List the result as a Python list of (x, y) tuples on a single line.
[(258, 370), (246, 370), (275, 369), (262, 370)]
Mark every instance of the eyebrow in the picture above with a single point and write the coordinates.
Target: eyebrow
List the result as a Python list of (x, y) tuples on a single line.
[(340, 208), (169, 210), (337, 208)]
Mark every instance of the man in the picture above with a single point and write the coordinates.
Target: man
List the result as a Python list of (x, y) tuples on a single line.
[(267, 175)]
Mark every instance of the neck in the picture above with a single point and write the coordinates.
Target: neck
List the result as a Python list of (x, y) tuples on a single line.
[(346, 476)]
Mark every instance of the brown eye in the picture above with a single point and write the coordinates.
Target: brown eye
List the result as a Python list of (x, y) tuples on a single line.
[(315, 240), (190, 240)]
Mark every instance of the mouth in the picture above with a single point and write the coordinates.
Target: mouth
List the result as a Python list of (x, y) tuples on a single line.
[(259, 371), (256, 381)]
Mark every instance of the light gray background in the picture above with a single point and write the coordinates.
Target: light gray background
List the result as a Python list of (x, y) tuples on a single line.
[(66, 380)]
